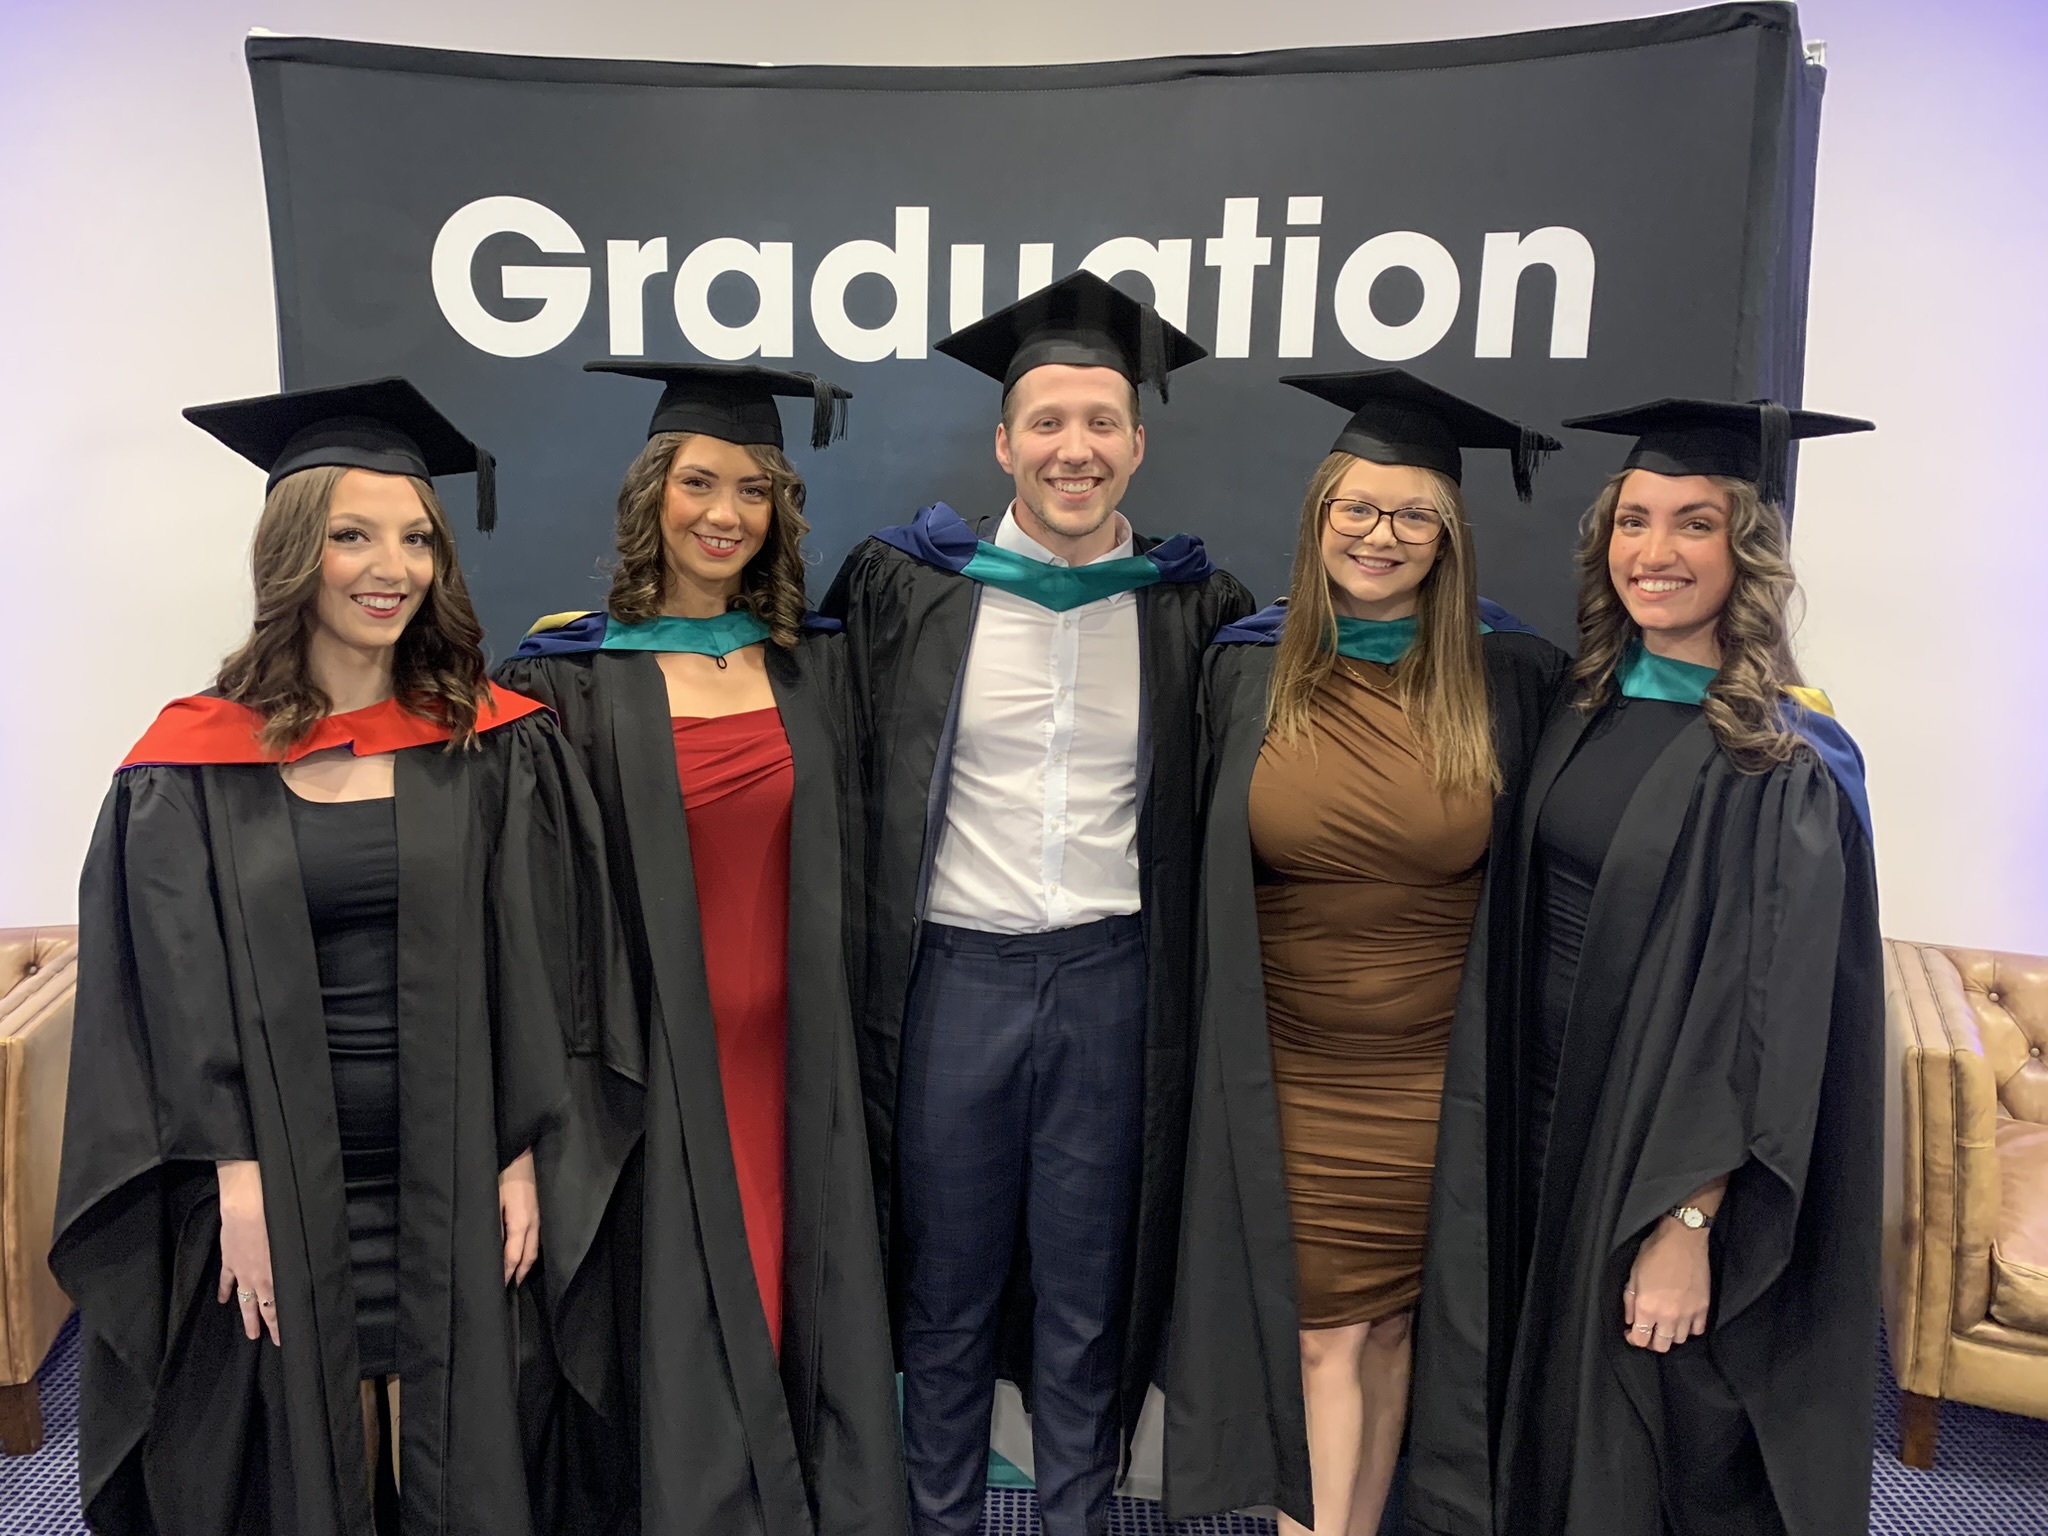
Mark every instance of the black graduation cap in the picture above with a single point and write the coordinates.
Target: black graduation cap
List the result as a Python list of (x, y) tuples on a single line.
[(1079, 320), (1750, 441), (386, 425), (735, 401), (1397, 418)]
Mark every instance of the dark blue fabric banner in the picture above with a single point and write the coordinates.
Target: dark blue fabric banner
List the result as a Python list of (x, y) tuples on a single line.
[(1551, 223)]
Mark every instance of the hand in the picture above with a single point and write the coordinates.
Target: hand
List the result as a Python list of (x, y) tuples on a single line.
[(519, 1217), (245, 1248), (1668, 1288)]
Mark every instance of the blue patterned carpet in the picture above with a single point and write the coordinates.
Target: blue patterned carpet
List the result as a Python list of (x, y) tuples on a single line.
[(1991, 1478)]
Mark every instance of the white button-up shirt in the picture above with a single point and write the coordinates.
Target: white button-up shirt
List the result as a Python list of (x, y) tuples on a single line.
[(1041, 826)]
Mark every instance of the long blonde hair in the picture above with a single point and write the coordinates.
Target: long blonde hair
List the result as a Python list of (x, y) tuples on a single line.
[(1745, 701), (1442, 679), (437, 661), (772, 585)]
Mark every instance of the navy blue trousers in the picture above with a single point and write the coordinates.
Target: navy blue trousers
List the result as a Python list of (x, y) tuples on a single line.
[(1021, 1106)]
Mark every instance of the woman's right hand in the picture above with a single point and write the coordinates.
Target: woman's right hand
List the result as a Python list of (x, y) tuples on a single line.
[(245, 1248)]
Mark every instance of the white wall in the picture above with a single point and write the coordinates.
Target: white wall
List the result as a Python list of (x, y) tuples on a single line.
[(134, 280)]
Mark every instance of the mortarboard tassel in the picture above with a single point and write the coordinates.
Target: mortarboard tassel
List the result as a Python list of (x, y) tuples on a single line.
[(486, 492), (1152, 350), (1526, 458), (1775, 462), (828, 411)]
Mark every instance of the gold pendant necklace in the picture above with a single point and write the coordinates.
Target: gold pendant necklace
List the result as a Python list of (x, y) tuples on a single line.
[(1355, 671)]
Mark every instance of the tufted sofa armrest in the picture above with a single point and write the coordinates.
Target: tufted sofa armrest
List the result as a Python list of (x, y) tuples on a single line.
[(36, 966), (2009, 995), (38, 976), (1942, 1197)]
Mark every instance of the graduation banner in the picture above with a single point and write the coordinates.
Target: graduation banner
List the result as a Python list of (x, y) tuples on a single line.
[(1549, 224)]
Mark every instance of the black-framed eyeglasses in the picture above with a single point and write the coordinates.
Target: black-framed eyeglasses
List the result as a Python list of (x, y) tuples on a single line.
[(1356, 519)]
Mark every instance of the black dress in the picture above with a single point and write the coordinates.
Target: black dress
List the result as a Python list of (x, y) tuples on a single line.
[(348, 862), (1573, 834)]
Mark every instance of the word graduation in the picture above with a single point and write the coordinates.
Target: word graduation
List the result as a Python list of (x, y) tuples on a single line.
[(1238, 253)]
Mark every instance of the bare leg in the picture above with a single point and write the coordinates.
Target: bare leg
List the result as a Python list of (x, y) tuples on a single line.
[(1331, 1364), (380, 1439), (398, 1477), (371, 1443), (1383, 1371)]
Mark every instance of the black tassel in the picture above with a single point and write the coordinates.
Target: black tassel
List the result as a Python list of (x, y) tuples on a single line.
[(1152, 350), (828, 411), (486, 492), (1530, 450), (1774, 467)]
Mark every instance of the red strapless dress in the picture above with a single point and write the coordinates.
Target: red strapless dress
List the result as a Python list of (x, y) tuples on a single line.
[(737, 780)]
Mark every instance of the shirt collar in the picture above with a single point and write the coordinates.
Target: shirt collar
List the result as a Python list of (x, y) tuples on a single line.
[(1010, 535)]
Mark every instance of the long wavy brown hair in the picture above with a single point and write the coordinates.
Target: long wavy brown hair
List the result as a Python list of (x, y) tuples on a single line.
[(438, 665), (771, 586), (1745, 702), (1442, 679)]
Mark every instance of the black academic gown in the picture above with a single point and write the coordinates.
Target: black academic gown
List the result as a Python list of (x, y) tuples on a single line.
[(1235, 1431), (200, 1037), (1727, 1020), (689, 1424), (908, 626)]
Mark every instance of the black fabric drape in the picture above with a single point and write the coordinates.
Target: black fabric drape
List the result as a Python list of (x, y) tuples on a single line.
[(680, 1418), (200, 1037), (1727, 1020)]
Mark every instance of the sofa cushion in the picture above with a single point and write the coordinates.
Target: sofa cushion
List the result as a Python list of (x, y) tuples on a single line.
[(2019, 1254)]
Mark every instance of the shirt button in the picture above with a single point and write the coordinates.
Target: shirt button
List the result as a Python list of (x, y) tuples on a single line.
[(1066, 623)]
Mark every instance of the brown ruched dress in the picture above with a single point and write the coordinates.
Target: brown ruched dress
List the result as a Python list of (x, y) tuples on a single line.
[(1369, 877)]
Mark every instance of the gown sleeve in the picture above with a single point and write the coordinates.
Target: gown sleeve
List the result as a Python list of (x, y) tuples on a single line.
[(827, 660), (155, 1099), (1745, 1087), (1235, 1432), (1234, 601), (566, 1029), (594, 998), (156, 1070), (553, 936)]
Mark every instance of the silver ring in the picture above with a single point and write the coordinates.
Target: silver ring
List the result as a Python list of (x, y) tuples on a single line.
[(241, 1295), (1642, 1327), (266, 1303)]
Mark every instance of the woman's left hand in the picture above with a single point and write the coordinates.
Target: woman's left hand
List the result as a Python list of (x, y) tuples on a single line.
[(519, 1216), (1669, 1288)]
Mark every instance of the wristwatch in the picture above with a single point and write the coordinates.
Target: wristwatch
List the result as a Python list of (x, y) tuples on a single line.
[(1690, 1216)]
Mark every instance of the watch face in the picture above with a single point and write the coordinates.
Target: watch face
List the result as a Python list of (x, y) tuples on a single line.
[(1692, 1218)]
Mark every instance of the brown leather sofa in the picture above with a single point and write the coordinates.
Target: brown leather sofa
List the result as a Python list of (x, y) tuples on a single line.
[(1966, 1184), (38, 978)]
